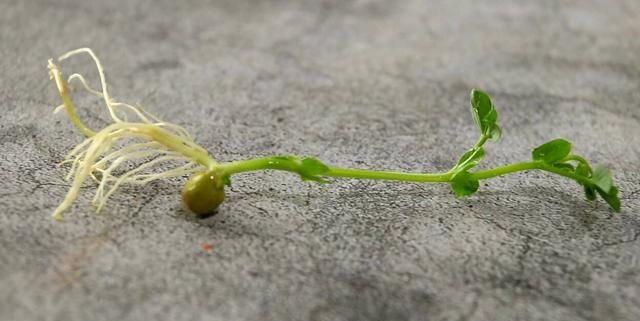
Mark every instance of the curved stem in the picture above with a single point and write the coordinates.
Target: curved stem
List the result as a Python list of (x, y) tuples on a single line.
[(250, 165), (579, 159), (565, 173), (506, 169), (523, 166)]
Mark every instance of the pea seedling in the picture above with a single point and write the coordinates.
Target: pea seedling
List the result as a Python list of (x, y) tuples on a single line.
[(153, 149)]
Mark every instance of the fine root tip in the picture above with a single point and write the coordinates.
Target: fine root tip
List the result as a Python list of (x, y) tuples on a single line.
[(51, 66), (58, 216), (75, 52)]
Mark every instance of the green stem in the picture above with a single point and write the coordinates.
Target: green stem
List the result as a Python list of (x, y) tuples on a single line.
[(578, 159), (250, 165), (565, 173), (523, 166), (387, 175), (483, 139), (294, 165), (506, 169)]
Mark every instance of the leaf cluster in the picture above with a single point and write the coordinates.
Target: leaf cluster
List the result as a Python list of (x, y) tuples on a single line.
[(554, 156), (556, 153), (485, 117), (484, 114), (462, 183)]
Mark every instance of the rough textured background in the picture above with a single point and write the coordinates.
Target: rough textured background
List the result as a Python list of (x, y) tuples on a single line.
[(356, 83)]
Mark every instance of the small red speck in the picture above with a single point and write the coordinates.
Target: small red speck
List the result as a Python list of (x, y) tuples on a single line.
[(207, 247)]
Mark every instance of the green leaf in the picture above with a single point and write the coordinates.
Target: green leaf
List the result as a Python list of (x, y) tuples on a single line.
[(603, 184), (611, 197), (463, 184), (552, 151), (583, 170), (496, 132), (590, 192), (470, 159), (484, 114), (311, 169), (602, 178)]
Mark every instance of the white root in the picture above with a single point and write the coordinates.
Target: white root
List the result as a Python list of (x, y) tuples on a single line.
[(106, 173), (137, 110), (126, 177), (162, 145), (103, 81)]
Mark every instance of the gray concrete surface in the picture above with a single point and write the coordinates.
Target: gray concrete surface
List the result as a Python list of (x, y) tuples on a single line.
[(356, 83)]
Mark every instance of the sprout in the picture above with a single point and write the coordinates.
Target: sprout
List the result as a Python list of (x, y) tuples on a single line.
[(146, 148)]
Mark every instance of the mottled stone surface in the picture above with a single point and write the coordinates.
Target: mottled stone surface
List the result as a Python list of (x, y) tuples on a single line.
[(356, 83)]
